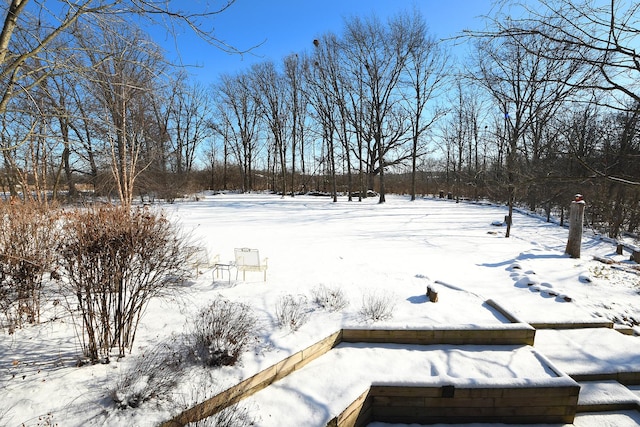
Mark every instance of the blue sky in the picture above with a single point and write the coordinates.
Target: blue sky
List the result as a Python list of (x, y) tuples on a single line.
[(289, 26)]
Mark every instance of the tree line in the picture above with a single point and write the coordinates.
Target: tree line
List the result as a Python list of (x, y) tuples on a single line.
[(544, 104)]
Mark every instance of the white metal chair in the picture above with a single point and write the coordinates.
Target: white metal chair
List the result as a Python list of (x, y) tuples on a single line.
[(249, 260), (200, 259)]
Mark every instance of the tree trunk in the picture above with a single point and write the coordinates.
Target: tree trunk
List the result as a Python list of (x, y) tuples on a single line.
[(382, 198)]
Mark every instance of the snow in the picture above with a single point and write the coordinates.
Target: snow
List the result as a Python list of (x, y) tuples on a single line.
[(397, 250), (333, 381), (605, 392), (589, 351)]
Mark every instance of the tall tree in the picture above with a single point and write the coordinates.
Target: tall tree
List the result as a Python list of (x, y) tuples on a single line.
[(190, 116), (275, 108), (603, 36), (40, 26), (329, 85), (426, 74), (383, 51), (122, 64), (528, 89), (295, 84), (29, 30), (238, 121)]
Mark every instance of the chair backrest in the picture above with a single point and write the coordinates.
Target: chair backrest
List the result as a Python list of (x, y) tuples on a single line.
[(201, 256), (246, 256)]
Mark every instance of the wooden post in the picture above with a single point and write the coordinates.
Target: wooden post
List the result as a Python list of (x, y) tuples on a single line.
[(432, 294), (576, 220), (509, 220)]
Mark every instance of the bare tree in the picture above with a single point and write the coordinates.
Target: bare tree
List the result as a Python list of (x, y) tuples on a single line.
[(323, 78), (383, 52), (41, 24), (29, 55), (275, 108), (66, 111), (191, 113), (122, 66), (361, 117), (333, 72), (238, 121), (601, 35), (527, 88), (426, 73), (295, 83), (457, 133)]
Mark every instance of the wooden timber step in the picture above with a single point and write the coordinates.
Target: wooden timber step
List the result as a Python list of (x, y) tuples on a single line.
[(542, 403), (601, 396)]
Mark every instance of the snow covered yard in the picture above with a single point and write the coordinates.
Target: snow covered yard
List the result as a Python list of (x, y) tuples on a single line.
[(396, 249)]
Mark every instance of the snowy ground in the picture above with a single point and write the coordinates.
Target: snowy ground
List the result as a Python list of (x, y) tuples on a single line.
[(395, 249)]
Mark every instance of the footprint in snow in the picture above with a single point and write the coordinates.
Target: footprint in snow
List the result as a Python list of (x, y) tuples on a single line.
[(515, 266), (523, 282), (585, 278)]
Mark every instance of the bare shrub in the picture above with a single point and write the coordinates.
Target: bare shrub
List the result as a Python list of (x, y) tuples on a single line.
[(203, 386), (377, 305), (233, 416), (220, 332), (115, 260), (292, 311), (28, 234), (152, 375), (330, 299)]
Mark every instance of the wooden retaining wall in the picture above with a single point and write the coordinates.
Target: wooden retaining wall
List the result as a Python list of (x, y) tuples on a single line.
[(626, 378), (255, 383), (515, 335), (573, 325), (455, 404), (507, 335)]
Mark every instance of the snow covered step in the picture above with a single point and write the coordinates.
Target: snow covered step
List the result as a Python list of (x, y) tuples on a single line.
[(597, 354), (482, 382), (598, 396)]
